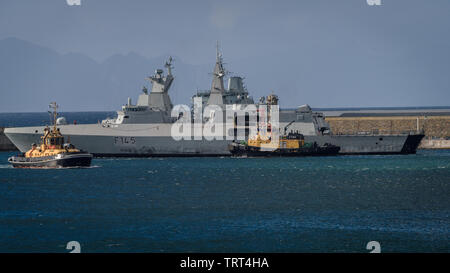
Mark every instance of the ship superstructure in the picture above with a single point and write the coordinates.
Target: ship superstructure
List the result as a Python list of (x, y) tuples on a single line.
[(153, 107), (235, 94)]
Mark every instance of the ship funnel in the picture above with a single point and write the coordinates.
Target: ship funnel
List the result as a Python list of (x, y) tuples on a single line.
[(235, 84)]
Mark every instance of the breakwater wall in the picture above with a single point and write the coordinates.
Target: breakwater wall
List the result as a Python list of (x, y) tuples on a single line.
[(5, 144), (436, 128)]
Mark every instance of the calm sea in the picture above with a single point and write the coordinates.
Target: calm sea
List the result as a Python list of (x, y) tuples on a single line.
[(317, 204)]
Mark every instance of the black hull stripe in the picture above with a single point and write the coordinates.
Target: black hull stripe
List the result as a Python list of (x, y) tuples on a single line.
[(230, 155)]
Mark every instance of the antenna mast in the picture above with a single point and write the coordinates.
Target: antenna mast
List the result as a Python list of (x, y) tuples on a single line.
[(54, 106)]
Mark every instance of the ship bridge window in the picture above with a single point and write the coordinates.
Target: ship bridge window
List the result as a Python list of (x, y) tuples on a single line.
[(55, 141), (134, 109)]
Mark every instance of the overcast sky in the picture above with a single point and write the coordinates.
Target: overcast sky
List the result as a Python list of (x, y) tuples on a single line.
[(346, 50)]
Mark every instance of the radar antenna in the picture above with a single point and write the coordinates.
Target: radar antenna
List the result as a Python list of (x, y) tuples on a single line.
[(218, 54), (169, 65), (220, 72)]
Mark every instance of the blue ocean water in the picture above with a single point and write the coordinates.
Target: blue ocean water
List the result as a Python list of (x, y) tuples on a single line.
[(316, 204), (313, 204)]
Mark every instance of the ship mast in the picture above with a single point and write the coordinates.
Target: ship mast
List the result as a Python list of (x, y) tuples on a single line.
[(54, 106), (217, 87)]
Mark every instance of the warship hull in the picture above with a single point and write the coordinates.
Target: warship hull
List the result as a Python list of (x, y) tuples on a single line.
[(371, 144), (147, 140)]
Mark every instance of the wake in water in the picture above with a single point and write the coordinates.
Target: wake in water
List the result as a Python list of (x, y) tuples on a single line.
[(75, 167), (90, 167)]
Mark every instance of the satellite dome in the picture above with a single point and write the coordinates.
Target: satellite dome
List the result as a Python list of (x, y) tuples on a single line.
[(61, 121)]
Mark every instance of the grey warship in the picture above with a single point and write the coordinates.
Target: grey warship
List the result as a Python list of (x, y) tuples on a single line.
[(144, 129)]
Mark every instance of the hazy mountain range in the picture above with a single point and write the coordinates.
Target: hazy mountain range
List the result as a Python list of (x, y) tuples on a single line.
[(32, 76)]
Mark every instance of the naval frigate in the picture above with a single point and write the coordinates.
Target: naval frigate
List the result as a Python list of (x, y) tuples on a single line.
[(144, 128)]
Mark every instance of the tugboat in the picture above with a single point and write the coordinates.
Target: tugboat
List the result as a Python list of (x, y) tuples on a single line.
[(292, 144), (53, 152), (288, 144)]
